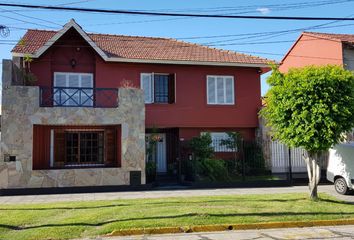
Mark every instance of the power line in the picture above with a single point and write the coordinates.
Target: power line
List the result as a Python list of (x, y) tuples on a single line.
[(24, 21), (92, 10), (30, 17)]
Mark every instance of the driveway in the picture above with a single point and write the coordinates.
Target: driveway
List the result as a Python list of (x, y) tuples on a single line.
[(164, 193), (335, 232)]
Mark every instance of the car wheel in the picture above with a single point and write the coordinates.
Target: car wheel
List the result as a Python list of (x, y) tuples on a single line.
[(341, 186)]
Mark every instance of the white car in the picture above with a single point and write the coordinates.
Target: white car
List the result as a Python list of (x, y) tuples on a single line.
[(340, 168)]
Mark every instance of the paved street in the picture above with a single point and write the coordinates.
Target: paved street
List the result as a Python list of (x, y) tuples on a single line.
[(338, 232), (164, 193)]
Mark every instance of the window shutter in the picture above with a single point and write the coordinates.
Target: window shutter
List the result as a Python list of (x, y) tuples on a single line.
[(59, 148), (211, 90), (110, 146), (146, 85), (59, 81), (229, 85), (41, 147), (74, 82), (220, 90), (86, 95), (171, 88)]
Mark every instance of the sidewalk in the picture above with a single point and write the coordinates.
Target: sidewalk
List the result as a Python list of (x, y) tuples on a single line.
[(329, 189), (335, 232)]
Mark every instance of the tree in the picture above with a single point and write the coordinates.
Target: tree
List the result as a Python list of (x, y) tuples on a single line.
[(310, 107), (233, 142)]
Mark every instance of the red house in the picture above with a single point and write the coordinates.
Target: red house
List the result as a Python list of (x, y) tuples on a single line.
[(89, 117)]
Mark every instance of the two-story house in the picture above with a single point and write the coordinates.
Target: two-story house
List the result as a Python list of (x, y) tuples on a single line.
[(74, 113)]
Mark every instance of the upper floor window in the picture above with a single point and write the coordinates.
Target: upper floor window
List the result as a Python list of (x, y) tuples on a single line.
[(158, 87), (73, 89), (220, 90)]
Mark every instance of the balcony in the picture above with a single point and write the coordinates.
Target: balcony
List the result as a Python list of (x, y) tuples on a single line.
[(78, 97)]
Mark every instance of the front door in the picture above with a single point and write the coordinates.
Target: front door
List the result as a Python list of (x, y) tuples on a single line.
[(161, 154)]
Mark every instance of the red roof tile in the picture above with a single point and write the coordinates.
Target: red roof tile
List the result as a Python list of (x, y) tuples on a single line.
[(143, 48), (333, 36)]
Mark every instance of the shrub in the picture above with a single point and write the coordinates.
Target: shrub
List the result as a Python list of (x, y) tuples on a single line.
[(212, 169), (150, 170), (201, 147)]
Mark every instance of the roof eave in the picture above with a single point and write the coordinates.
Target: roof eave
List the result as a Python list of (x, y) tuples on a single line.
[(52, 40), (158, 61)]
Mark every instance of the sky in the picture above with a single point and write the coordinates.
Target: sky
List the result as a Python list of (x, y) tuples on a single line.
[(261, 38)]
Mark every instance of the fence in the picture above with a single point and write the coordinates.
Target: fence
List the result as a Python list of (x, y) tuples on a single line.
[(266, 160), (78, 97), (282, 158)]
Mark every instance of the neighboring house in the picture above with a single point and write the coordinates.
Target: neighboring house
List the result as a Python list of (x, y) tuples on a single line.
[(313, 48), (72, 117)]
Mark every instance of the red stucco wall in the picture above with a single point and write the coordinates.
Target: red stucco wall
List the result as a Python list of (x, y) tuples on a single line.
[(310, 50), (190, 109)]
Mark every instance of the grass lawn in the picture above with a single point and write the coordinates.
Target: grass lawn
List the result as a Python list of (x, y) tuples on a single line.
[(83, 219)]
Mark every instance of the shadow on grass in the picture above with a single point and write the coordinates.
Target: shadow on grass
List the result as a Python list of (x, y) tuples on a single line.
[(138, 204), (262, 214)]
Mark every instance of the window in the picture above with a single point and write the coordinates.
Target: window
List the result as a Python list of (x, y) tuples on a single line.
[(73, 89), (84, 148), (220, 90), (217, 142), (158, 88)]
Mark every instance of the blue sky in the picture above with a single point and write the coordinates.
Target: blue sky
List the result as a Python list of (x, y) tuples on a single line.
[(187, 29)]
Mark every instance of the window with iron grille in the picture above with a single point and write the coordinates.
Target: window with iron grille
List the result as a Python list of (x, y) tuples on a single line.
[(84, 148), (158, 87), (218, 143)]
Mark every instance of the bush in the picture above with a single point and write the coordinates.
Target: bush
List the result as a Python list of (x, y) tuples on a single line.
[(201, 147), (254, 159), (212, 169), (150, 170)]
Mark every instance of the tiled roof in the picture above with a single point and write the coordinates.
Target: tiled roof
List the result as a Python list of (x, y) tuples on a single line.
[(143, 48), (340, 37)]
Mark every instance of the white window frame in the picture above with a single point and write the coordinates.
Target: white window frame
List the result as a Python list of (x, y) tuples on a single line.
[(216, 89), (152, 83), (215, 146), (67, 80)]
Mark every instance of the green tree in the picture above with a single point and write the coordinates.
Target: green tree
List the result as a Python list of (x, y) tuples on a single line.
[(201, 146), (233, 142), (310, 107)]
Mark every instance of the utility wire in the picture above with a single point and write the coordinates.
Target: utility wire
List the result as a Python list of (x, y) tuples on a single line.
[(93, 10)]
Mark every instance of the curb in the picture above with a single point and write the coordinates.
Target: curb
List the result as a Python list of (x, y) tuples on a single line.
[(228, 227)]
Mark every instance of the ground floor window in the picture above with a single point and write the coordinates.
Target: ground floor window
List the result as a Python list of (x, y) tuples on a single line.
[(76, 146), (84, 147), (218, 142)]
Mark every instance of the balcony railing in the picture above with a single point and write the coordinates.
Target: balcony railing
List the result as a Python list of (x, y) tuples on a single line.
[(78, 97)]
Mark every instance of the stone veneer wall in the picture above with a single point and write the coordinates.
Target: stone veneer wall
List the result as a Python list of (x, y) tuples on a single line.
[(20, 110)]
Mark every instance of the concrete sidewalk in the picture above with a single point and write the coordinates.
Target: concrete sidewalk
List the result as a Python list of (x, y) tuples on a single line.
[(330, 232), (329, 189)]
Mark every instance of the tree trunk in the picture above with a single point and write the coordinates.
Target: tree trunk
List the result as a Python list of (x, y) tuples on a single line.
[(314, 173)]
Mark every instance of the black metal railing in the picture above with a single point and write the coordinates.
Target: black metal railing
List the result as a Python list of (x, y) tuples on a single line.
[(78, 97)]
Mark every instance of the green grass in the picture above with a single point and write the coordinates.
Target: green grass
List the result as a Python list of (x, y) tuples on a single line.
[(92, 218)]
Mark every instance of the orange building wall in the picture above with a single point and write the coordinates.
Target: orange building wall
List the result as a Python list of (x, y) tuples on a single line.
[(309, 50)]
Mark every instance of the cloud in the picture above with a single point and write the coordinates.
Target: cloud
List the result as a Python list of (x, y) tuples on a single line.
[(263, 10)]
